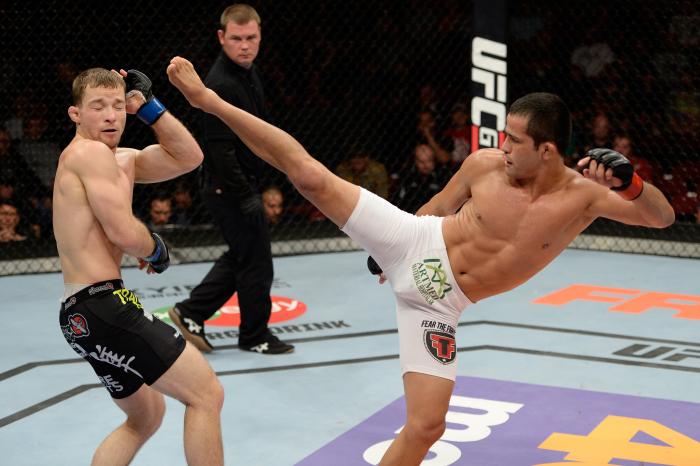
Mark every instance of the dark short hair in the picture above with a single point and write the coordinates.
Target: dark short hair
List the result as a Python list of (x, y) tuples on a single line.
[(548, 116), (239, 13), (95, 77)]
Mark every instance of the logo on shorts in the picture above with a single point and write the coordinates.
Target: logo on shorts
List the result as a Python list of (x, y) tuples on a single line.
[(77, 327), (110, 384), (97, 289), (70, 302), (128, 296), (441, 345), (431, 279)]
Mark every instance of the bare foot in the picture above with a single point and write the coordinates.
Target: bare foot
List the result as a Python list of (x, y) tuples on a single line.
[(182, 75)]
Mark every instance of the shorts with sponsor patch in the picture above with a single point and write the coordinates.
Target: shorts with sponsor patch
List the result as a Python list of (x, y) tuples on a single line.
[(106, 325), (411, 251)]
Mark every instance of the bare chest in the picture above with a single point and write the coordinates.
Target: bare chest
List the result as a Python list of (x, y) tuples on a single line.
[(510, 215)]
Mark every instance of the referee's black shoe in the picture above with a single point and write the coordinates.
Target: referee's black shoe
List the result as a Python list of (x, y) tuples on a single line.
[(191, 329), (270, 345)]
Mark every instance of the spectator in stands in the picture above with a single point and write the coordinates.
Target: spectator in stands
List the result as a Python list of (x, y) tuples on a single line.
[(20, 186), (62, 128), (364, 171), (622, 143), (428, 99), (599, 133), (40, 153), (458, 134), (684, 108), (273, 203), (425, 179), (40, 215), (8, 195), (666, 179), (428, 134), (685, 204), (183, 212), (7, 190), (13, 167), (160, 212), (9, 220), (22, 106)]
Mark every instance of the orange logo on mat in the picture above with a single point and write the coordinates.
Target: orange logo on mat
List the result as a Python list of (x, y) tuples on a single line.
[(631, 301), (283, 308)]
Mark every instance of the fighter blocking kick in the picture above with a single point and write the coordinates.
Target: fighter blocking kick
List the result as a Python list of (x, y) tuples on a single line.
[(501, 218), (136, 357)]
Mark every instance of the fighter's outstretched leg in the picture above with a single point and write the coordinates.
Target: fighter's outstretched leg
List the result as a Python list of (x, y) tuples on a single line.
[(335, 197)]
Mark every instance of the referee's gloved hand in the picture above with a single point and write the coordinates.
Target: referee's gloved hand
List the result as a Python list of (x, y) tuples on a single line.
[(252, 209)]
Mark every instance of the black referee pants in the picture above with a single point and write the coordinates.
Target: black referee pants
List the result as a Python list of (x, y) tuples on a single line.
[(245, 268)]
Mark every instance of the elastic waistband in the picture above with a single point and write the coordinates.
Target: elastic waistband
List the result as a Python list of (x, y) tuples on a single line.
[(96, 289)]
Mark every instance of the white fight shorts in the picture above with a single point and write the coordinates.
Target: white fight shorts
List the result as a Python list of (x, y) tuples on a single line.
[(411, 252)]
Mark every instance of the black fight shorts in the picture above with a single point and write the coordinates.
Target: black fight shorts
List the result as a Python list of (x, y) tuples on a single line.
[(106, 325)]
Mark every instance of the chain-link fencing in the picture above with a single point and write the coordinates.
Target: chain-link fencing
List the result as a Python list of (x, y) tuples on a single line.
[(377, 91)]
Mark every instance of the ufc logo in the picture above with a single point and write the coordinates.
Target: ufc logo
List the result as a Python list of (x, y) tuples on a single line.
[(489, 68), (669, 353)]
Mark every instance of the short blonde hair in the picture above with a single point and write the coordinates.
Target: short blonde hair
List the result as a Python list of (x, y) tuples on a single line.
[(239, 13), (95, 77)]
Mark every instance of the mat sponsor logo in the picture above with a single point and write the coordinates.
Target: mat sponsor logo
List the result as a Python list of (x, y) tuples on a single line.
[(489, 68), (285, 329), (430, 279), (229, 315), (183, 290), (491, 422), (661, 353), (162, 314), (630, 301), (283, 309)]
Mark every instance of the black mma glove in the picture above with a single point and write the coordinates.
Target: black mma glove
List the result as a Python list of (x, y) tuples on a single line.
[(632, 185), (150, 111), (253, 210), (373, 267), (159, 260)]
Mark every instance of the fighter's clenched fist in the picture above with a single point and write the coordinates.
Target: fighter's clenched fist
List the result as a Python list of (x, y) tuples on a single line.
[(612, 169)]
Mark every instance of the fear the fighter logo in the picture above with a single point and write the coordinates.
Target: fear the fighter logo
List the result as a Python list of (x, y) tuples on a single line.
[(441, 346)]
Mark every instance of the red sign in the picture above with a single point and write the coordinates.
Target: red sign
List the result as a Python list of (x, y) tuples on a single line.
[(283, 308)]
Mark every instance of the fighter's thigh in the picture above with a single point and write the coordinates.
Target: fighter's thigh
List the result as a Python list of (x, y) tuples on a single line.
[(145, 405), (427, 397), (189, 379)]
